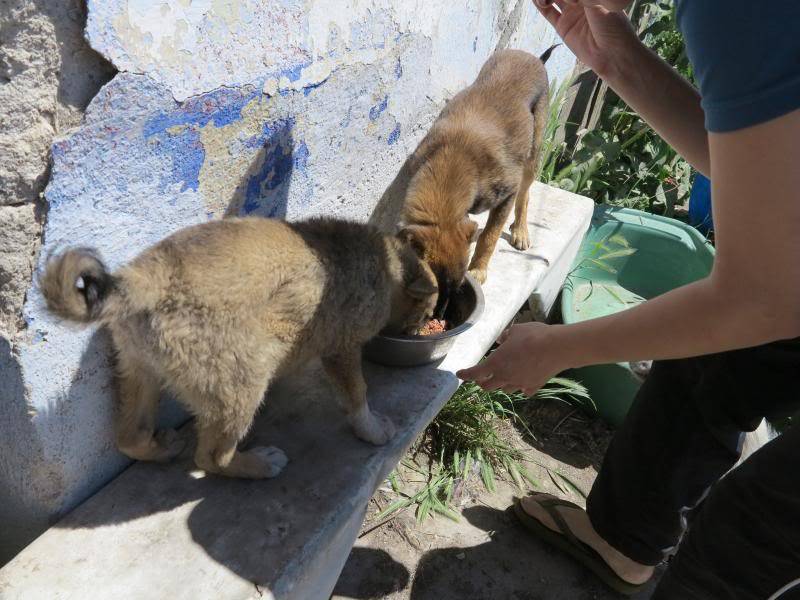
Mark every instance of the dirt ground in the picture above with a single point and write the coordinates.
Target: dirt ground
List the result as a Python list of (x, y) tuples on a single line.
[(485, 555)]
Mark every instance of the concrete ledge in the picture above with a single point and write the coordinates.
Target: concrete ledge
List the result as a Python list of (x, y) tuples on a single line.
[(165, 531)]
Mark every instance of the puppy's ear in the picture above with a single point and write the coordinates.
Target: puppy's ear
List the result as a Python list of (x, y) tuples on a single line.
[(422, 286), (414, 235), (471, 230), (419, 280)]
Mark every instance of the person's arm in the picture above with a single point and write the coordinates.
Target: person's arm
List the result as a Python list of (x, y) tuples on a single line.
[(604, 40), (751, 297)]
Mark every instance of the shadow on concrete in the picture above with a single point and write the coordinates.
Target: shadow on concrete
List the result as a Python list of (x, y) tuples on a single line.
[(264, 189), (33, 471), (22, 517), (371, 574), (512, 564), (24, 511)]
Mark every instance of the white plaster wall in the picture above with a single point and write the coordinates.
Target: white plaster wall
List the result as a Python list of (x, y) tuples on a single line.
[(283, 108)]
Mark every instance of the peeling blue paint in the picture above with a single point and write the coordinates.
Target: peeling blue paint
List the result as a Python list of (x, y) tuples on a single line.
[(394, 135), (475, 44), (376, 110), (398, 70), (187, 153), (275, 170), (254, 141), (293, 73), (312, 86), (301, 156), (220, 107)]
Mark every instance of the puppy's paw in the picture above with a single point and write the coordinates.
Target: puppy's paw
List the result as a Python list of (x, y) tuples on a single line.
[(479, 274), (520, 238), (163, 446), (270, 461), (169, 444), (372, 427)]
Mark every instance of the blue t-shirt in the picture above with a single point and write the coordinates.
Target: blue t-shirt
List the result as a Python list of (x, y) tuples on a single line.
[(746, 58)]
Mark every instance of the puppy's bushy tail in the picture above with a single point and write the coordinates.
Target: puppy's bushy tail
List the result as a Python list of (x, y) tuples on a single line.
[(76, 284), (546, 54)]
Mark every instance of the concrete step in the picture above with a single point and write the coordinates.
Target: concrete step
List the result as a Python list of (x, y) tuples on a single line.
[(168, 531)]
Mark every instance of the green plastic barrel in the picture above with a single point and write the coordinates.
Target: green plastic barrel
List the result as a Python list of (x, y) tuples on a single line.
[(626, 257)]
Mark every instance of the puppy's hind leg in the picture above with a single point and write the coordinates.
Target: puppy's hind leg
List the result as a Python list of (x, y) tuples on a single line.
[(345, 371), (137, 407), (520, 238), (219, 432)]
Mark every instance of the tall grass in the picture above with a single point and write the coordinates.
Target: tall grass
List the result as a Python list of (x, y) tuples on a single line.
[(466, 440)]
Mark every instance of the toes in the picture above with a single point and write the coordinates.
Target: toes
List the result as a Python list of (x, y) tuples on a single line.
[(374, 428), (520, 239), (272, 459), (387, 427), (163, 446), (170, 443), (479, 275)]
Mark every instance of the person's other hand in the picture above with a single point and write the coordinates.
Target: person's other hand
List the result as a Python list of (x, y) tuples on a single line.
[(523, 362), (596, 31)]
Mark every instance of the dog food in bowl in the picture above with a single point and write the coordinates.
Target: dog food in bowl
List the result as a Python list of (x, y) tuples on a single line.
[(433, 327), (434, 341)]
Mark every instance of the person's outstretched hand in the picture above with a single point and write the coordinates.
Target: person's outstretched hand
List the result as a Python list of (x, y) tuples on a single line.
[(521, 363), (598, 35)]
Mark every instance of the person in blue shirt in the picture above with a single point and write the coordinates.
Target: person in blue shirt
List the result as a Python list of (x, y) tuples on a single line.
[(727, 348)]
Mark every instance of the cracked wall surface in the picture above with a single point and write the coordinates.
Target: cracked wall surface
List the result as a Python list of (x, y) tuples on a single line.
[(282, 109), (48, 75)]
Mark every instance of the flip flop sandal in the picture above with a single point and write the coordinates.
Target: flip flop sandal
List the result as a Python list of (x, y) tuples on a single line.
[(569, 543)]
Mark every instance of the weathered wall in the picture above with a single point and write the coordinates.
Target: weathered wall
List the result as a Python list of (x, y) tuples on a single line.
[(48, 74), (274, 108)]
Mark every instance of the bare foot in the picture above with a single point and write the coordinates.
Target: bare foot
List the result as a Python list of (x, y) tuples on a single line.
[(578, 522)]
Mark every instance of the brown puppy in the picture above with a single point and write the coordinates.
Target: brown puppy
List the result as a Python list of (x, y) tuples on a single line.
[(215, 312), (482, 153)]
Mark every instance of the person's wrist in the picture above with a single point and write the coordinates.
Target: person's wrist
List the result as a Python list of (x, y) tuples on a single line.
[(559, 354), (624, 63)]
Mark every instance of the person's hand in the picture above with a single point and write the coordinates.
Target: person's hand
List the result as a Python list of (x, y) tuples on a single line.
[(523, 362), (598, 35)]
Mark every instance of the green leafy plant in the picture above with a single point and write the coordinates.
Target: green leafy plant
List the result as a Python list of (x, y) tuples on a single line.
[(465, 440), (622, 161), (552, 149)]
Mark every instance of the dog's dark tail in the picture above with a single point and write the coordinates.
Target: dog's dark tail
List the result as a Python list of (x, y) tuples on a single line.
[(76, 284), (546, 54)]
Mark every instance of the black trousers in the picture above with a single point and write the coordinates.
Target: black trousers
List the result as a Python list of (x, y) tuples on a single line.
[(664, 470)]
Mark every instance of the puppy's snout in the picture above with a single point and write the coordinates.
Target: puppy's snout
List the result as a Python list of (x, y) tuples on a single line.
[(447, 288), (441, 308)]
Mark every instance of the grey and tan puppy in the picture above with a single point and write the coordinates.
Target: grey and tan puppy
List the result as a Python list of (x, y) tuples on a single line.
[(217, 311), (482, 153)]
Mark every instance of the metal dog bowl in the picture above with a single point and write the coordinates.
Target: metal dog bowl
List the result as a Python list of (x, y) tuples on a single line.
[(465, 308)]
